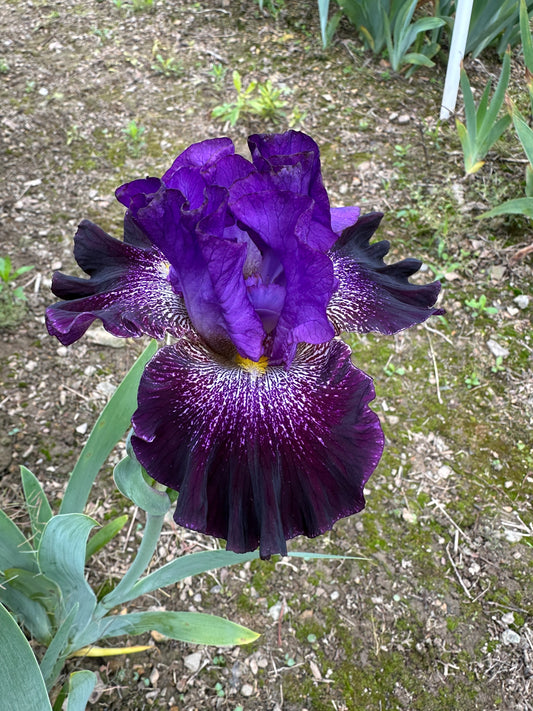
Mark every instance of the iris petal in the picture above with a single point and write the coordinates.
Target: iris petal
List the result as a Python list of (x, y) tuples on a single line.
[(372, 295), (344, 217), (203, 155), (128, 289), (291, 161), (280, 223), (208, 269), (259, 455)]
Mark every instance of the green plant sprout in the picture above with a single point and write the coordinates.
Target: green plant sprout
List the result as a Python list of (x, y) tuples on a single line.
[(472, 380), (218, 72), (390, 369), (134, 135), (481, 129), (219, 690), (142, 5), (498, 366), (169, 67), (273, 7), (268, 105), (479, 306), (103, 35), (446, 264), (8, 276)]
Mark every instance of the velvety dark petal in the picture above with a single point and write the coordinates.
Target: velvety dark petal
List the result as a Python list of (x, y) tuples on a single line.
[(259, 454), (207, 269), (279, 223), (372, 295), (128, 291)]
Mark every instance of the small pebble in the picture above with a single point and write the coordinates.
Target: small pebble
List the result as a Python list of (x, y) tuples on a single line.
[(522, 301), (193, 661), (247, 689), (82, 429), (335, 595), (510, 637), (508, 618), (275, 610), (497, 350), (409, 516), (445, 471)]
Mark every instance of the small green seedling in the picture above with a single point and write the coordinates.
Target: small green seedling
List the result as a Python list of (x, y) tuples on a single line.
[(8, 275), (479, 306), (472, 380), (498, 366), (169, 67), (268, 105), (134, 135), (218, 72), (390, 369)]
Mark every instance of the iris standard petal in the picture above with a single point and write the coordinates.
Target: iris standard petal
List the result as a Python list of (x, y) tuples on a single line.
[(372, 295), (207, 269), (279, 224), (259, 454), (203, 155), (128, 290), (344, 217), (291, 161)]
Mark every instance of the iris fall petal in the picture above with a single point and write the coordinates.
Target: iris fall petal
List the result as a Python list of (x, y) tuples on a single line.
[(372, 295), (128, 289), (259, 454)]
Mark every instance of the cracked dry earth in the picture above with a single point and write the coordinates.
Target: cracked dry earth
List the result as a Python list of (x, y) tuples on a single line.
[(437, 615)]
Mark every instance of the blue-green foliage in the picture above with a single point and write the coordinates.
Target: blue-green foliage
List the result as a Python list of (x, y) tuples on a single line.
[(482, 128), (383, 24), (494, 23), (388, 25), (523, 205)]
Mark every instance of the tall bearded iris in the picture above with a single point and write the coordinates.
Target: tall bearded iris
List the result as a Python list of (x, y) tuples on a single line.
[(256, 414)]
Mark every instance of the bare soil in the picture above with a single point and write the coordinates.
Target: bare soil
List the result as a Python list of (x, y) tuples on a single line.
[(439, 614)]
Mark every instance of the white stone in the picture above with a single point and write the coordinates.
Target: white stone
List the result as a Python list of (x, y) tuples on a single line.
[(275, 610), (445, 471), (193, 661), (497, 350), (510, 637), (522, 301)]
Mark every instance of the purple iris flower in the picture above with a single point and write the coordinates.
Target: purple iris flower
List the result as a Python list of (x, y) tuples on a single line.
[(255, 414)]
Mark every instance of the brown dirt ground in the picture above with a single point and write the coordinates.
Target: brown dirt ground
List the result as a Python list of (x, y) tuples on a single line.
[(425, 621)]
